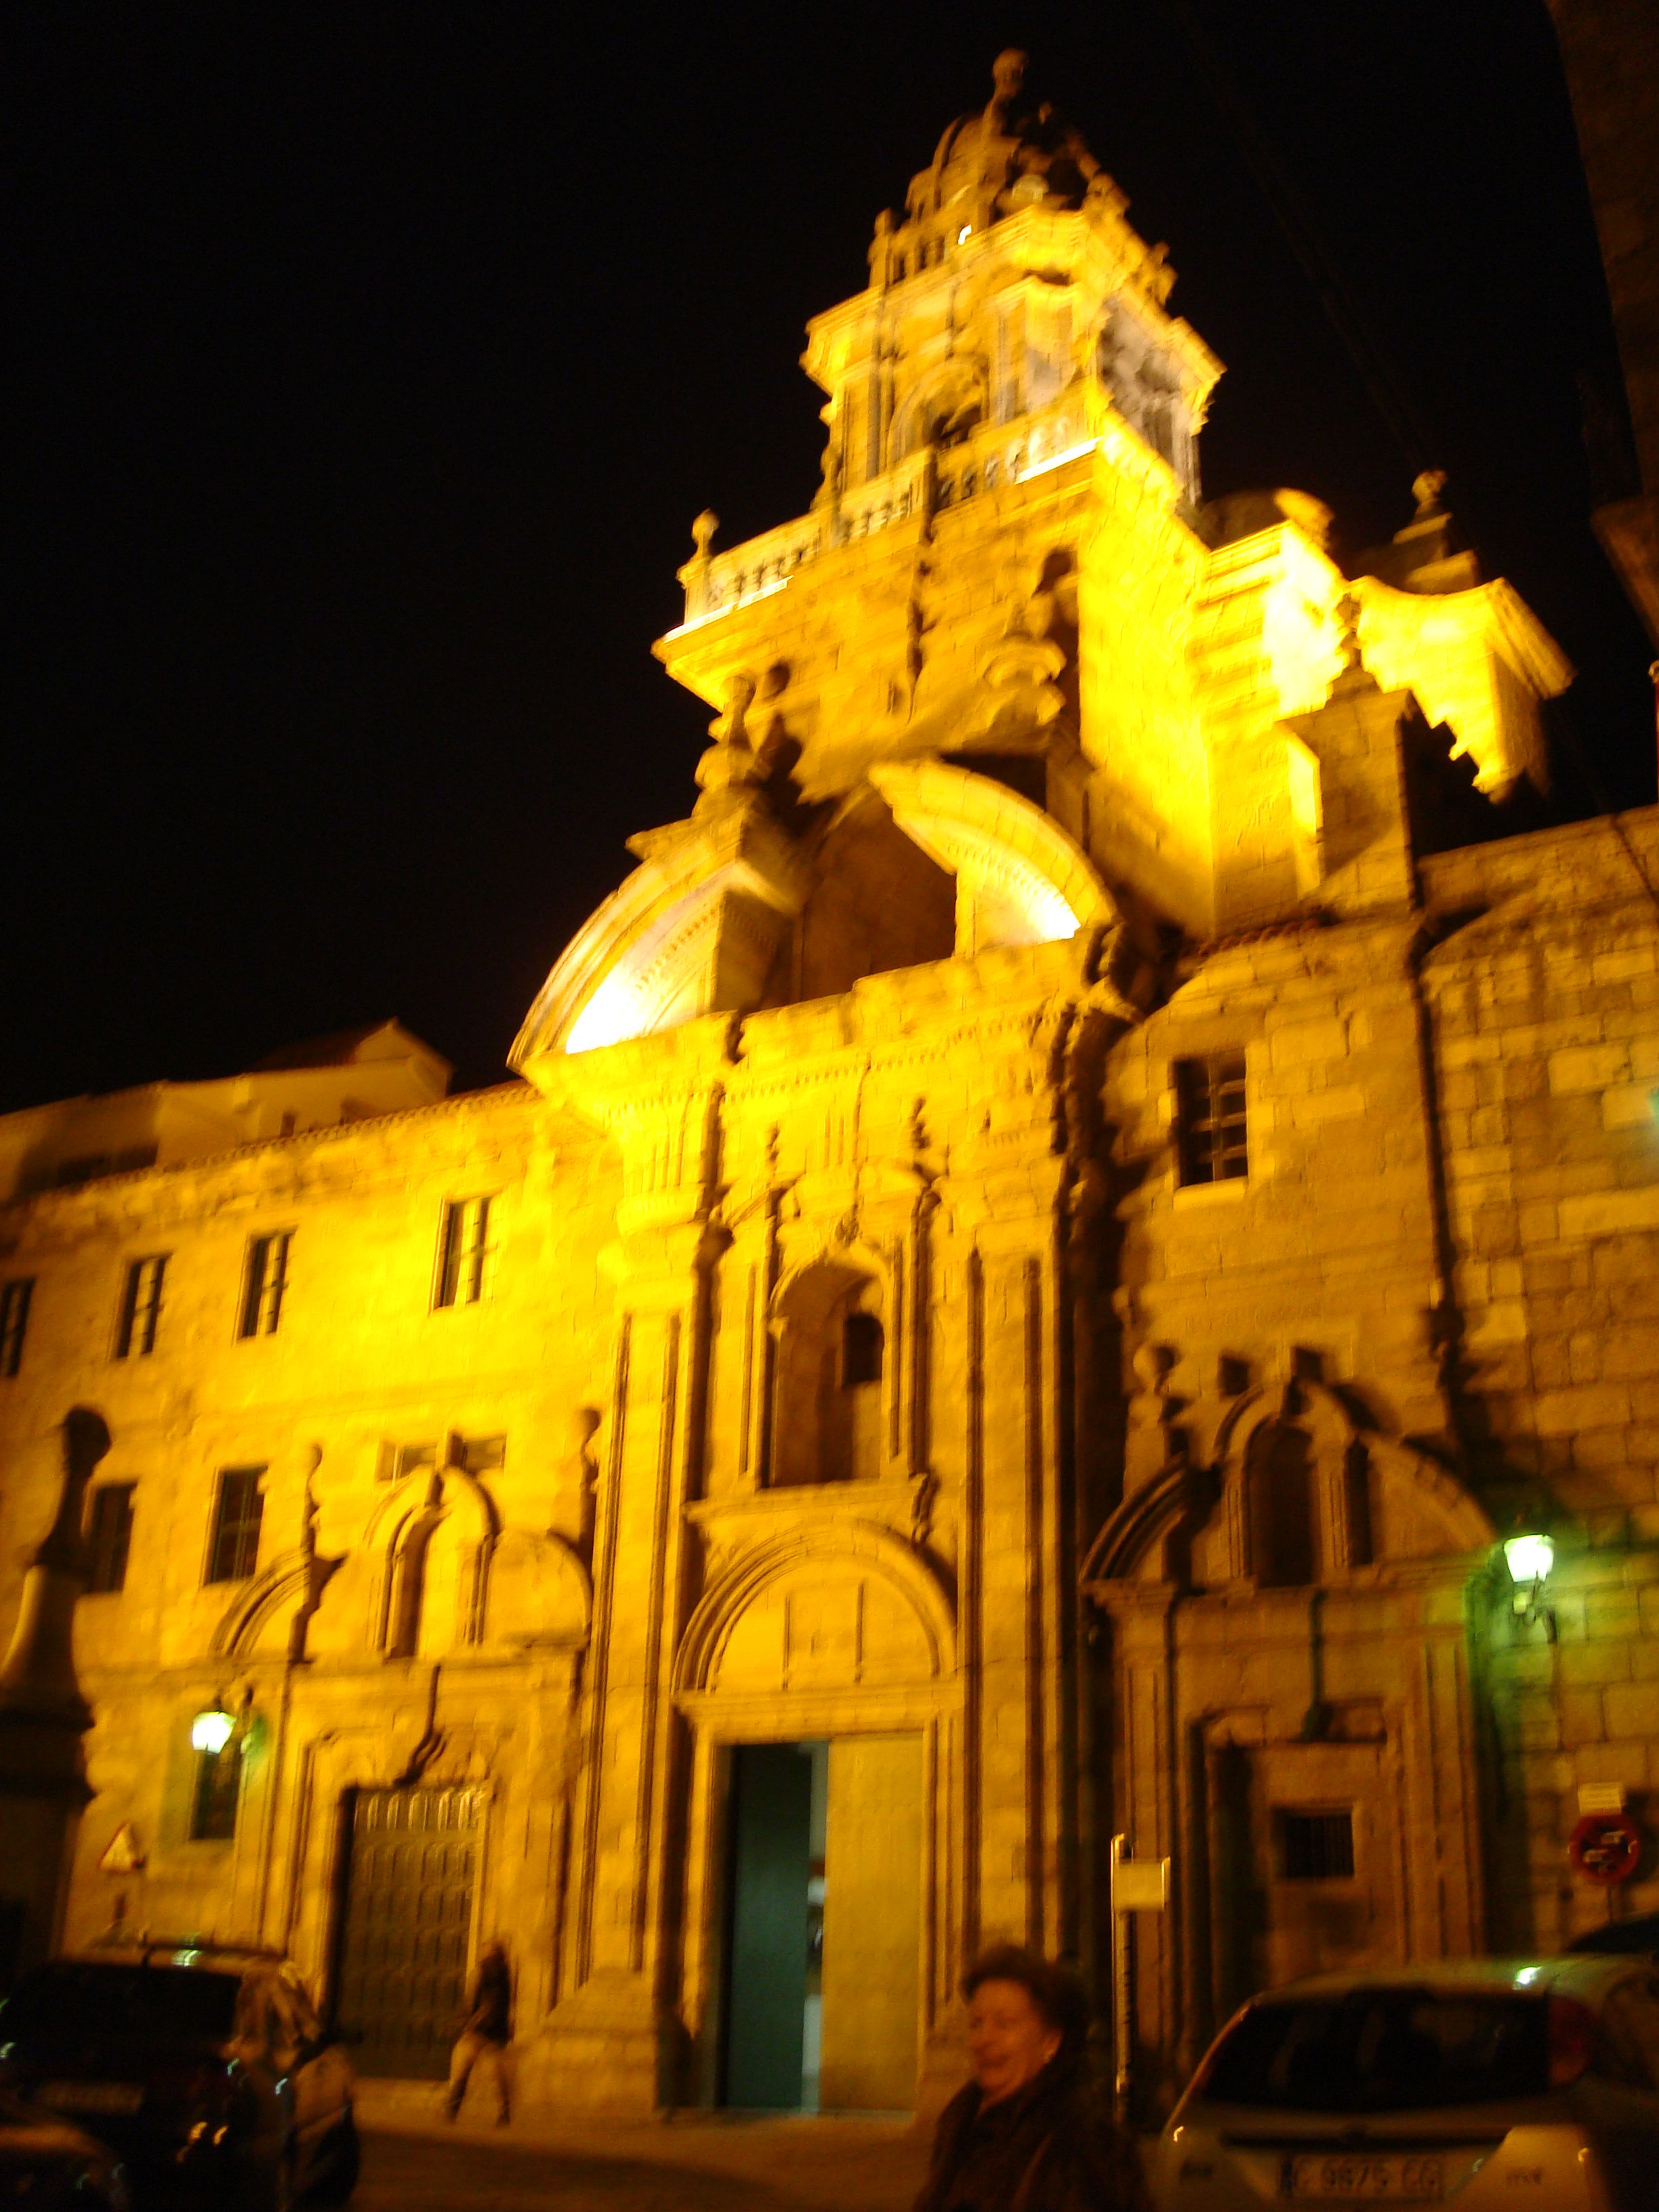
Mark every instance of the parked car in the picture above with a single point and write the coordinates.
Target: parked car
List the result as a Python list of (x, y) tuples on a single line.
[(1638, 1936), (204, 2069), (50, 2166), (1489, 2081)]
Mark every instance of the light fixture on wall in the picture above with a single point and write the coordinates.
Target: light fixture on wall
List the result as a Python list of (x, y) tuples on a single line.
[(210, 1731), (1529, 1555)]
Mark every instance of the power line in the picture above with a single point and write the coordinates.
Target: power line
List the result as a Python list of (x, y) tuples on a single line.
[(1280, 189)]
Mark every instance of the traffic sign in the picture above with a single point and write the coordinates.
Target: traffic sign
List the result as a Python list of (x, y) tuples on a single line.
[(1605, 1847)]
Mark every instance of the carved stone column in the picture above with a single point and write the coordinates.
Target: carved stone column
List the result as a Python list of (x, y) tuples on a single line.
[(1150, 1807), (43, 1717), (1006, 1199), (614, 2041)]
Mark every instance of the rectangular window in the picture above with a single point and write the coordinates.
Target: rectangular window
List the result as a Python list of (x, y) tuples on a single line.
[(464, 1254), (266, 1284), (1315, 1846), (140, 1307), (217, 1793), (1210, 1118), (234, 1550), (109, 1533), (13, 1319)]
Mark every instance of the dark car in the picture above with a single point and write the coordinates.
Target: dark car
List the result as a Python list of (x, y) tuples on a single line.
[(1637, 1937), (204, 2069), (50, 2166)]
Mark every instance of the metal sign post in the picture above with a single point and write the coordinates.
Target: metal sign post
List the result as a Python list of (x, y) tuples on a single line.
[(1137, 1886)]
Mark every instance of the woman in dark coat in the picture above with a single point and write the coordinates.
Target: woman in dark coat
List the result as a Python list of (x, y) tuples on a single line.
[(1024, 2136)]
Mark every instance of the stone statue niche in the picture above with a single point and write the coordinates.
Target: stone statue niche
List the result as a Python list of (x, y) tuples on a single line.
[(831, 1368)]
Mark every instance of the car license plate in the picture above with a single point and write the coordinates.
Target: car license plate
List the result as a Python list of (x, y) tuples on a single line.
[(90, 2096), (1366, 2178)]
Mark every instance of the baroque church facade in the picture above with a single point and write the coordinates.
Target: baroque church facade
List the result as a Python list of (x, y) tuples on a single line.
[(1038, 1245)]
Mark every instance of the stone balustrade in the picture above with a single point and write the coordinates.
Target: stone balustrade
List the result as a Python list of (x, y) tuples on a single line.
[(1000, 453)]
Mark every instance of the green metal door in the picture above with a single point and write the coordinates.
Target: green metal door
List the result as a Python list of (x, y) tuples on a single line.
[(400, 1981), (765, 1992)]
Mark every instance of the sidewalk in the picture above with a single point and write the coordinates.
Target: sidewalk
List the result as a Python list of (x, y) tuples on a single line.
[(877, 2165)]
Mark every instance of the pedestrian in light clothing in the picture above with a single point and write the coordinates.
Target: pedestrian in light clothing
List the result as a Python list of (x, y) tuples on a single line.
[(1024, 2136), (485, 2032)]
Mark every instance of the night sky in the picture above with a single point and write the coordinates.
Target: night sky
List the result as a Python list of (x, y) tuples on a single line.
[(369, 363)]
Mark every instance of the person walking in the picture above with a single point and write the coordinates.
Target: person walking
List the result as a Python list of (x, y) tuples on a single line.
[(485, 2032), (1023, 2135)]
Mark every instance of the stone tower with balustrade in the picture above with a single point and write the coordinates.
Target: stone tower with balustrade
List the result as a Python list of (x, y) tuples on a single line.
[(1036, 1239)]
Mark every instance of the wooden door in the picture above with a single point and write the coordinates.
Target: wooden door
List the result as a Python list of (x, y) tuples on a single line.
[(400, 1980)]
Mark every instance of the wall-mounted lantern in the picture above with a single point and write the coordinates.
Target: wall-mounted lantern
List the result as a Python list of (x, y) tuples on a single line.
[(211, 1731), (1530, 1556)]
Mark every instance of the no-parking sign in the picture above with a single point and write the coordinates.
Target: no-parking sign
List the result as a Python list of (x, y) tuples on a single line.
[(1605, 1847)]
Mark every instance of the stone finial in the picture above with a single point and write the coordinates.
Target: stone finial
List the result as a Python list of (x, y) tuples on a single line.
[(38, 1675), (584, 1474), (1425, 490), (86, 1440), (703, 531), (731, 726), (730, 760), (1353, 675), (1008, 76)]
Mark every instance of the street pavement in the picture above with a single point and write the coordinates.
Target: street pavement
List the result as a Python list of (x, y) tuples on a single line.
[(413, 2162)]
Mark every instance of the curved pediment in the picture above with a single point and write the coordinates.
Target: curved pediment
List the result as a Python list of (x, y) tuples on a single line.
[(1020, 879), (691, 932), (695, 929)]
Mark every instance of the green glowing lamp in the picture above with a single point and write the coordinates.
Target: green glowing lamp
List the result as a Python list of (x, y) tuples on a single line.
[(1529, 1558), (211, 1731)]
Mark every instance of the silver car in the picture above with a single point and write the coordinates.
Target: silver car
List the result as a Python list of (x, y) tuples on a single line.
[(1522, 2082)]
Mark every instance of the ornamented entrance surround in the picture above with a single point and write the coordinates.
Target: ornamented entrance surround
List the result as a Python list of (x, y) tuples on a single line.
[(1246, 1690), (843, 1634)]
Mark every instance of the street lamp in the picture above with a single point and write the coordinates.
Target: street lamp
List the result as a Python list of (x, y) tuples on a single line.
[(1530, 1556), (211, 1731)]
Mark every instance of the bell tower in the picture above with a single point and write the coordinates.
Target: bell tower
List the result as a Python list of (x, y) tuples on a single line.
[(999, 566)]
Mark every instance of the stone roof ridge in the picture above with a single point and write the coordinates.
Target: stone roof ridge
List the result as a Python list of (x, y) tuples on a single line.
[(344, 1048), (518, 1088)]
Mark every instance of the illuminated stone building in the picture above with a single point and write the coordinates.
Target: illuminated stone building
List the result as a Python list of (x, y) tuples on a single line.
[(1042, 1236)]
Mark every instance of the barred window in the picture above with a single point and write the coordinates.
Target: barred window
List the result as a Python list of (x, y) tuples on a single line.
[(465, 1252), (1210, 1118), (234, 1550), (109, 1536), (478, 1455), (140, 1307), (217, 1794), (266, 1284), (1315, 1846), (15, 1299)]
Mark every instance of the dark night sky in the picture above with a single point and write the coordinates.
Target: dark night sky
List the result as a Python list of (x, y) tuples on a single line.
[(368, 364)]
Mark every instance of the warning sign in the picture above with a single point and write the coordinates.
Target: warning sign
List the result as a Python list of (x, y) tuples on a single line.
[(122, 1854)]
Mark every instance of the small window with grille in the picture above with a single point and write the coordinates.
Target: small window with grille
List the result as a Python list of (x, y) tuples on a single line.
[(1314, 1846), (109, 1537), (1210, 1119), (478, 1455), (140, 1307), (234, 1550), (265, 1285), (465, 1252), (16, 1298)]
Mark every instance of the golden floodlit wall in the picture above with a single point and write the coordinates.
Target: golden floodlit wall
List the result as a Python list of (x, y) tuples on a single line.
[(1045, 1233)]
